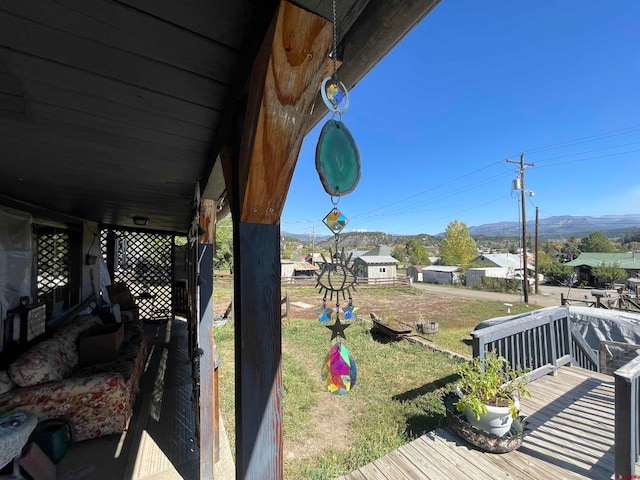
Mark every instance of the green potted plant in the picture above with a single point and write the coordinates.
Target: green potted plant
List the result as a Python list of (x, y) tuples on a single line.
[(489, 392)]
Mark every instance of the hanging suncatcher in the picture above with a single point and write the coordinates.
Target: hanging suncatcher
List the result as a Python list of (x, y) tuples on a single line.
[(338, 166)]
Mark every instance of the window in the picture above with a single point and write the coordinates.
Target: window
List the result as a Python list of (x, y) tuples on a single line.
[(53, 267), (383, 269)]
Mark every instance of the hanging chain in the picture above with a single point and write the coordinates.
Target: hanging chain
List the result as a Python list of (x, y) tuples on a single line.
[(335, 42)]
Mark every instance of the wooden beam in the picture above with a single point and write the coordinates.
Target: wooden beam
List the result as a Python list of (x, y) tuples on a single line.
[(286, 76), (258, 350), (208, 221), (208, 401)]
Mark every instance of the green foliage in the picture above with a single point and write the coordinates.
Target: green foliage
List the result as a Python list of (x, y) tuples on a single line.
[(502, 285), (609, 273), (596, 242), (223, 259), (416, 253), (570, 250), (632, 237), (399, 253), (556, 272), (490, 382), (544, 259), (458, 248)]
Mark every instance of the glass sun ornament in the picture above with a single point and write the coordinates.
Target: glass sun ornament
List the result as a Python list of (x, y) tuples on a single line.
[(336, 275), (339, 372), (335, 95)]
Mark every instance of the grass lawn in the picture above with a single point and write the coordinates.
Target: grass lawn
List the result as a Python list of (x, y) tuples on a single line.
[(398, 390)]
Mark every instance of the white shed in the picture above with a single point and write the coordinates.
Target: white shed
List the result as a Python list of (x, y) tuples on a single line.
[(286, 268), (441, 274), (475, 275), (376, 266), (376, 263), (415, 272)]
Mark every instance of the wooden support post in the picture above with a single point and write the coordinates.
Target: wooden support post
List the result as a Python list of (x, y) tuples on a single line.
[(208, 400), (258, 349), (285, 80)]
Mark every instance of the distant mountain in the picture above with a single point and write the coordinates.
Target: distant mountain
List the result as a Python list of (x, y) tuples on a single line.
[(563, 226), (305, 237), (559, 227), (369, 240)]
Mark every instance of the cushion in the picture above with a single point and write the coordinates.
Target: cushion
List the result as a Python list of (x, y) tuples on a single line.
[(119, 293), (6, 383), (52, 359)]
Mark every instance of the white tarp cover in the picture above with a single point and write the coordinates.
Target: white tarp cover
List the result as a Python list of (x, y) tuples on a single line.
[(16, 254), (594, 324)]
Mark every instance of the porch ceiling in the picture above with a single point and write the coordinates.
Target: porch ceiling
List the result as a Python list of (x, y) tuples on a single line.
[(110, 109)]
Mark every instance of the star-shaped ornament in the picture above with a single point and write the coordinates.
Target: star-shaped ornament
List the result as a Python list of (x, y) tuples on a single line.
[(337, 329), (324, 314), (350, 312)]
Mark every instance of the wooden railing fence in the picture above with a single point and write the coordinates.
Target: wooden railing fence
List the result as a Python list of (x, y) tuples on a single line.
[(539, 342), (605, 299), (304, 281)]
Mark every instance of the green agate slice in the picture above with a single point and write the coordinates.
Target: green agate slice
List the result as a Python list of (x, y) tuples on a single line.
[(337, 159)]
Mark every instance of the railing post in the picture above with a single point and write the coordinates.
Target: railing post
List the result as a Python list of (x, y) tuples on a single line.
[(626, 418), (552, 346), (625, 427), (477, 347)]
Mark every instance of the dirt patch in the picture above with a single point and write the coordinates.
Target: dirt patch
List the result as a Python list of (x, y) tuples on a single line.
[(409, 306), (318, 436)]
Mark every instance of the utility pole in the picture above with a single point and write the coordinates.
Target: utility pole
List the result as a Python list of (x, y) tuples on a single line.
[(525, 275), (536, 251)]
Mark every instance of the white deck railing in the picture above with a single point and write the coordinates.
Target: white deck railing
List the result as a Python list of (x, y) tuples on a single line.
[(539, 342)]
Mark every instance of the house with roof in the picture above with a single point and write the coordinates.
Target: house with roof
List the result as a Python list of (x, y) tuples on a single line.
[(585, 263), (313, 258), (497, 265), (376, 263)]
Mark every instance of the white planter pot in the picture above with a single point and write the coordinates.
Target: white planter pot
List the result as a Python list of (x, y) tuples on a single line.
[(497, 420)]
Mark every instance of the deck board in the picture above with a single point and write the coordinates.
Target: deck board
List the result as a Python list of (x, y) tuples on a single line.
[(571, 417)]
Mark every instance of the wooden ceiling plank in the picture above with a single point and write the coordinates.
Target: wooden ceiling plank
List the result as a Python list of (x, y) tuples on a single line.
[(286, 77), (66, 164), (62, 135), (219, 20), (89, 84), (127, 29), (61, 47), (45, 100)]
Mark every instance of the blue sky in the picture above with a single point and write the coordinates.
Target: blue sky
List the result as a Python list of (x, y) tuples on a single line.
[(476, 83)]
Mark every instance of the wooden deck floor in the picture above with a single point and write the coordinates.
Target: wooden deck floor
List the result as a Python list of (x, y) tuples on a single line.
[(572, 420)]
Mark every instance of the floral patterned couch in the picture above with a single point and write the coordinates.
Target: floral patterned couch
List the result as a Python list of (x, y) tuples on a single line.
[(98, 399)]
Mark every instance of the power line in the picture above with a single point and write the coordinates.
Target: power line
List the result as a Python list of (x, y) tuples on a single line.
[(612, 133)]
